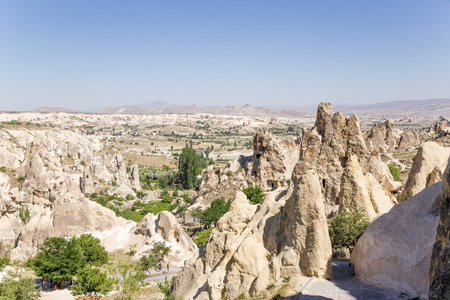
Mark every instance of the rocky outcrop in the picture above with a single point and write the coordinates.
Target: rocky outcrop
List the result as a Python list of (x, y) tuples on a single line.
[(440, 128), (428, 166), (134, 178), (326, 149), (408, 140), (273, 160), (87, 184), (440, 259), (362, 192), (395, 250), (381, 137), (253, 247), (270, 167), (171, 231)]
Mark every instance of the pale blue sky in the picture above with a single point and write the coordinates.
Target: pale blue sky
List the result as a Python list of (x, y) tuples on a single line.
[(91, 54)]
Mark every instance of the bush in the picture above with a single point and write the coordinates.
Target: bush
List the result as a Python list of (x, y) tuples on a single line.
[(254, 193), (91, 282), (16, 287), (346, 228), (395, 172), (93, 252), (216, 210), (4, 261), (202, 237)]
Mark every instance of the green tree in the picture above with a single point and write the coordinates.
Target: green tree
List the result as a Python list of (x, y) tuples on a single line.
[(160, 250), (58, 258), (128, 279), (346, 228), (190, 165), (91, 282), (93, 252), (216, 210), (147, 262), (254, 193), (16, 287)]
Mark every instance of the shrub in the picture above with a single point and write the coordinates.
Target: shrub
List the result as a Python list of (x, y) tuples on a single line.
[(395, 172), (254, 193), (24, 215), (16, 287), (346, 228), (91, 282), (202, 237)]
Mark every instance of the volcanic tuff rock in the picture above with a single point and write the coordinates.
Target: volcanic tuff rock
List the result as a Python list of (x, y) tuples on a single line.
[(359, 191), (327, 147), (270, 167), (440, 128), (381, 137), (428, 166), (253, 247), (440, 259), (408, 140), (395, 250)]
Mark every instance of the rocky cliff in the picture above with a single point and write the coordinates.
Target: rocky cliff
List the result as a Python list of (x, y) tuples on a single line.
[(440, 259)]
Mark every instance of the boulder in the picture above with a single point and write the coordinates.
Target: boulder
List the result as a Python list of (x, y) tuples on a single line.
[(440, 259), (429, 161), (395, 250)]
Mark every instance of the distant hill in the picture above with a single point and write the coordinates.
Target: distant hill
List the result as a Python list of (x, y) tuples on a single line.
[(54, 109), (411, 108), (245, 110)]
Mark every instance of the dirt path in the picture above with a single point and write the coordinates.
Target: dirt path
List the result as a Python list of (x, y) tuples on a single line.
[(344, 287)]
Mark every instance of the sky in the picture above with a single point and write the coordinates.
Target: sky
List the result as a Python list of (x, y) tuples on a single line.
[(89, 54)]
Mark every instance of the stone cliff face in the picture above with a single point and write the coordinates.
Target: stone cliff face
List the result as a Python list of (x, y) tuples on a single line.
[(270, 167), (440, 259), (326, 149), (428, 166), (381, 137), (395, 250), (253, 247)]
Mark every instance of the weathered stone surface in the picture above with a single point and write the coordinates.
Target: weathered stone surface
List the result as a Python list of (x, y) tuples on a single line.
[(134, 177), (440, 259), (408, 140), (252, 247), (327, 147), (87, 184), (171, 231), (440, 128), (423, 171), (395, 250), (381, 137)]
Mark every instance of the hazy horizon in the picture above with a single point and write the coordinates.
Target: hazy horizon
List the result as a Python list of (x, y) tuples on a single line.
[(87, 55)]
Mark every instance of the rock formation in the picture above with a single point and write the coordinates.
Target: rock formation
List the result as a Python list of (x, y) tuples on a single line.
[(252, 247), (327, 147), (395, 250), (440, 128), (270, 167), (428, 166), (440, 259), (359, 191), (408, 140), (381, 137)]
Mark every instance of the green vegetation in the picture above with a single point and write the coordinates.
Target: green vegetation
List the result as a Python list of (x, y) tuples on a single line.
[(16, 287), (4, 261), (58, 259), (94, 253), (254, 193), (164, 287), (158, 253), (202, 237), (190, 165), (395, 172), (24, 215), (216, 210), (128, 279), (91, 282), (346, 228), (3, 169)]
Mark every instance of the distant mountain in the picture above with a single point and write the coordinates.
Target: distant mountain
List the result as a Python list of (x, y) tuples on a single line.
[(54, 109), (245, 110), (411, 108), (155, 104)]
